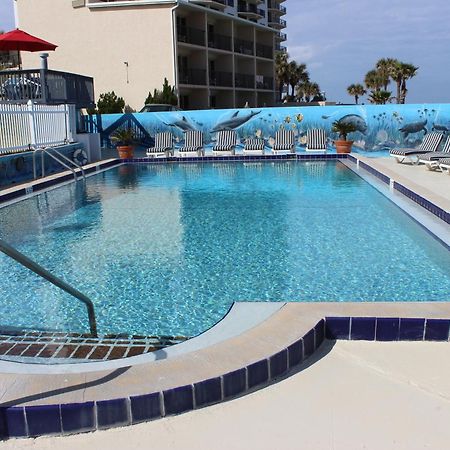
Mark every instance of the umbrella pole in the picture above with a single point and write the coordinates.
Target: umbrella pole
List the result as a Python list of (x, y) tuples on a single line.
[(19, 60)]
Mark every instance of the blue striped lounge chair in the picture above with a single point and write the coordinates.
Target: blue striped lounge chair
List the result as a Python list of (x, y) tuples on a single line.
[(226, 143), (193, 144), (254, 146), (284, 142), (163, 145), (444, 165), (429, 144), (431, 159), (316, 140)]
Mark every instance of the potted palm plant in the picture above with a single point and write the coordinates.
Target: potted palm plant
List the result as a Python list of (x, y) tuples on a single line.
[(343, 128), (124, 138)]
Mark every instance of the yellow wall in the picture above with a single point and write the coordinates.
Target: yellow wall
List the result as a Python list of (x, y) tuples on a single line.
[(97, 42)]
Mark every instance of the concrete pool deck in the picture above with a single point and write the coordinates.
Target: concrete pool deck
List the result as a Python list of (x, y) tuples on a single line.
[(350, 395)]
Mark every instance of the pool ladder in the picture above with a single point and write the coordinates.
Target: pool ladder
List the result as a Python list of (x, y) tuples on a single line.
[(61, 159), (43, 273)]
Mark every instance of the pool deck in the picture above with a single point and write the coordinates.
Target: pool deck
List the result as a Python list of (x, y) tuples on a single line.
[(350, 395)]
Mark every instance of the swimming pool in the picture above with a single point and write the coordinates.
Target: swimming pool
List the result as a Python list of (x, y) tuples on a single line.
[(166, 249)]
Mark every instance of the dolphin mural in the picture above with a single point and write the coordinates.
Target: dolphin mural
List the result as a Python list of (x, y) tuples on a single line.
[(413, 127), (235, 121), (182, 124), (357, 121)]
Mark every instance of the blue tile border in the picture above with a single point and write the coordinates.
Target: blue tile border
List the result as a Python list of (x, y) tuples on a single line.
[(31, 421)]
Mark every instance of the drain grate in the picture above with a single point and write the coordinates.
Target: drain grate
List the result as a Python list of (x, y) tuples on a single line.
[(79, 347)]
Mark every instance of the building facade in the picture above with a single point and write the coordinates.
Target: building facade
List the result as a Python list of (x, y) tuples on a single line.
[(217, 53)]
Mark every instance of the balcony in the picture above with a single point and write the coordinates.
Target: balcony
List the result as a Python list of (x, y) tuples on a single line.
[(276, 8), (215, 4), (264, 51), (190, 35), (48, 87), (221, 79), (280, 48), (243, 47), (265, 83), (281, 36), (195, 77), (244, 81), (220, 42), (250, 11), (275, 22)]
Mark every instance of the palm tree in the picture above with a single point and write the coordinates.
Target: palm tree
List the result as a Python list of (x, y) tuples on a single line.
[(297, 73), (356, 90), (408, 71), (374, 80), (281, 71), (380, 97), (383, 67), (309, 90)]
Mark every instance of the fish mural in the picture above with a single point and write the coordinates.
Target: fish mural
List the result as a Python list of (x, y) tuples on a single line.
[(235, 121), (413, 127), (378, 127)]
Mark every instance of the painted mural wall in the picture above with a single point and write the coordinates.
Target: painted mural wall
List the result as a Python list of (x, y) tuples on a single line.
[(379, 127)]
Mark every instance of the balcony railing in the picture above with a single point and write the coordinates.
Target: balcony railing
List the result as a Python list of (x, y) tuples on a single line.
[(244, 47), (191, 35), (263, 82), (220, 41), (264, 51), (193, 76), (274, 5), (48, 87), (224, 79), (244, 81)]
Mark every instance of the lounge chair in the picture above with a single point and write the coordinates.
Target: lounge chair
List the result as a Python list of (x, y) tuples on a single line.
[(431, 159), (284, 142), (254, 146), (226, 143), (193, 144), (444, 164), (163, 145), (316, 140), (429, 144)]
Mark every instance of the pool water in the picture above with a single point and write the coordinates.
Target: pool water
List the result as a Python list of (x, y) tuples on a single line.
[(166, 249)]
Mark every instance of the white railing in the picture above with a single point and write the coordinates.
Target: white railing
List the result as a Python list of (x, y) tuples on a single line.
[(30, 126)]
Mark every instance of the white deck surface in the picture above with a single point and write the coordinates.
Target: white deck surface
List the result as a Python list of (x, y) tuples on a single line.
[(356, 395)]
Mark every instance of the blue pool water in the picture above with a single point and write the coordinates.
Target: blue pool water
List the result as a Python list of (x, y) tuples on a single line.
[(166, 249)]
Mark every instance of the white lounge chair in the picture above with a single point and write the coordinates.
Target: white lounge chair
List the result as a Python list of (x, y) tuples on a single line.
[(254, 146), (284, 142), (444, 164), (163, 146), (193, 144), (429, 144), (316, 140), (226, 143), (431, 159)]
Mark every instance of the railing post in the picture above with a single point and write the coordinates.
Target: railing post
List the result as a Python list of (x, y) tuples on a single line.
[(43, 76), (31, 121)]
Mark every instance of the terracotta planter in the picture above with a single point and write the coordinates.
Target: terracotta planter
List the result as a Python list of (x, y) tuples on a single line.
[(343, 146), (125, 151)]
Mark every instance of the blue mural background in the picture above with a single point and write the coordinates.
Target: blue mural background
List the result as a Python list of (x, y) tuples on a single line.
[(379, 127)]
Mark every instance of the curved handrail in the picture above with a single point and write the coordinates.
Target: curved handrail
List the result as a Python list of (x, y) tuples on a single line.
[(43, 273), (47, 152)]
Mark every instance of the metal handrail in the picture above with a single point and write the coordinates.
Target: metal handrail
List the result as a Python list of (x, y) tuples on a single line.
[(47, 152), (43, 273)]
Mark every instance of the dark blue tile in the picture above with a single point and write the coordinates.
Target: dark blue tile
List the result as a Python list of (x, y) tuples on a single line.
[(411, 329), (234, 383), (337, 327), (14, 422), (145, 407), (309, 343), (77, 417), (43, 420), (112, 413), (295, 353), (363, 328), (278, 364), (387, 329), (178, 400), (320, 332), (208, 391), (437, 329), (257, 373)]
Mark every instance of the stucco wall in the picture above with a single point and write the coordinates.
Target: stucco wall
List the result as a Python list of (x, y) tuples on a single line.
[(97, 42)]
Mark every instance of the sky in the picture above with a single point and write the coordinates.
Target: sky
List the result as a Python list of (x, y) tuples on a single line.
[(341, 40)]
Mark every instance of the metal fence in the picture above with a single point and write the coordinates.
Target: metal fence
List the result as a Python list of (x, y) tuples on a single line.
[(27, 127)]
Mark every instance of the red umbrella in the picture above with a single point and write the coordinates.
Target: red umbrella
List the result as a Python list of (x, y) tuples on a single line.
[(20, 40)]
